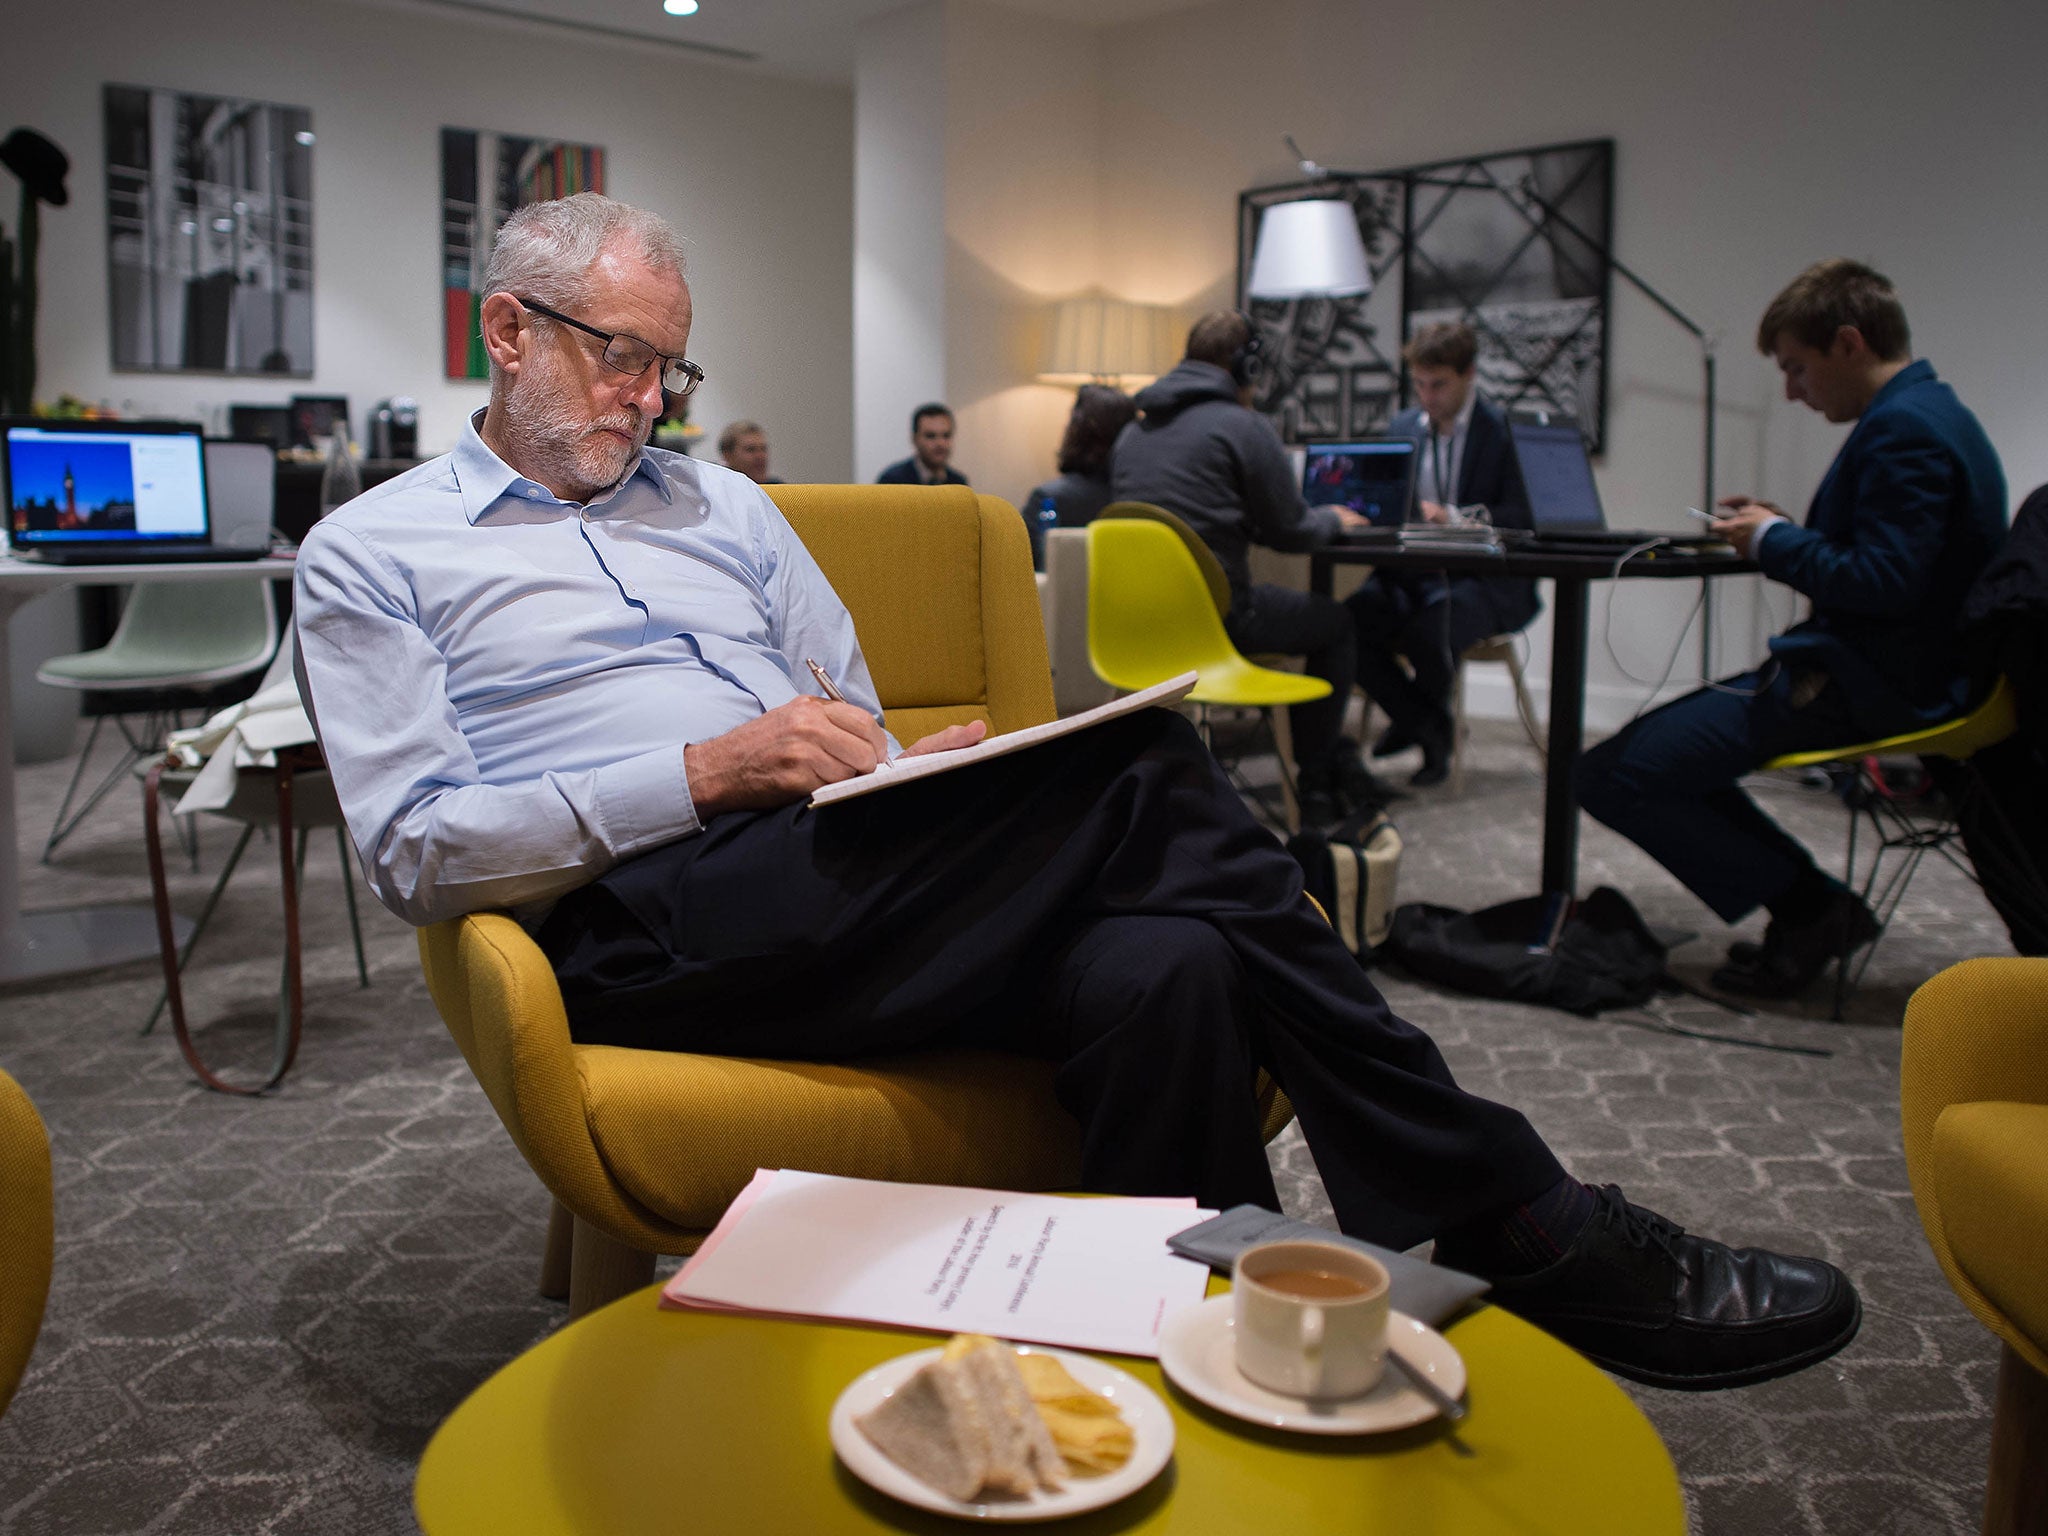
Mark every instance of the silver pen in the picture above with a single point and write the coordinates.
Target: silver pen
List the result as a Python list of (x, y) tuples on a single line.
[(825, 682)]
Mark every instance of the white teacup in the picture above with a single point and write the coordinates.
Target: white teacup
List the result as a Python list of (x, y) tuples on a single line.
[(1311, 1318)]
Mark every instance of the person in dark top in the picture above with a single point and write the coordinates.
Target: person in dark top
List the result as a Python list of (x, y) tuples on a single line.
[(1200, 451), (1081, 489), (1912, 509), (931, 462), (1466, 460)]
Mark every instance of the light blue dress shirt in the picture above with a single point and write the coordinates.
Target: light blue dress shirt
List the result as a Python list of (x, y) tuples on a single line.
[(504, 682)]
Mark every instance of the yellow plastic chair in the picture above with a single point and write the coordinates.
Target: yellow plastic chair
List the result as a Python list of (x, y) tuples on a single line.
[(27, 1232), (1214, 576), (643, 1150), (1151, 617), (1973, 1109), (1894, 826)]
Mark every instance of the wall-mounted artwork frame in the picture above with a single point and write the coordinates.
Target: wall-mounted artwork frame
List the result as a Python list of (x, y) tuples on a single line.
[(486, 178), (209, 233), (1452, 240)]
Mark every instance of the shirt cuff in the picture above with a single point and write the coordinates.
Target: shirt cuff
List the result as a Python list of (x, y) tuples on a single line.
[(1763, 531), (645, 801)]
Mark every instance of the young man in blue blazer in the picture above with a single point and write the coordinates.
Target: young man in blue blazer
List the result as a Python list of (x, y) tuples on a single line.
[(1913, 507), (1466, 460)]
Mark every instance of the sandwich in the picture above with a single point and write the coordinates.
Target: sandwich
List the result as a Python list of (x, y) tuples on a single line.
[(971, 1424)]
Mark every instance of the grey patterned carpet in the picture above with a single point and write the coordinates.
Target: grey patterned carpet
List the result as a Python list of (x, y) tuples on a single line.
[(262, 1309)]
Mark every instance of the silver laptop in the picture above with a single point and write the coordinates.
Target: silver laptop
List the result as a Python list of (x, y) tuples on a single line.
[(1564, 501), (108, 492)]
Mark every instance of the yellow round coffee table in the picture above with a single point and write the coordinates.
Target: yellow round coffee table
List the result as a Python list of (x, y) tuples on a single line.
[(635, 1420)]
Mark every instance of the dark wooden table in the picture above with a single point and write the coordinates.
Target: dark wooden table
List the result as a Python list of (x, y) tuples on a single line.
[(1572, 575)]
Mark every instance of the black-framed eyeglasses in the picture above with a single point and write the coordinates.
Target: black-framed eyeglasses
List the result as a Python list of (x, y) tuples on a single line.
[(630, 355)]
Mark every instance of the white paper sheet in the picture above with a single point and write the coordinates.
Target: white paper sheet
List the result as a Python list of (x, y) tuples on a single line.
[(902, 770), (1083, 1273)]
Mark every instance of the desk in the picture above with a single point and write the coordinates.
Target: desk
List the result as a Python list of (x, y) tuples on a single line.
[(1572, 574), (39, 944), (634, 1420)]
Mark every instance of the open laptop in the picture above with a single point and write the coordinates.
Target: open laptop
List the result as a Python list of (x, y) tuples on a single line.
[(1564, 503), (1373, 476), (108, 492)]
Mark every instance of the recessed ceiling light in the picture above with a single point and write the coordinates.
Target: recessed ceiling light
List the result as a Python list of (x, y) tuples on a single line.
[(680, 7)]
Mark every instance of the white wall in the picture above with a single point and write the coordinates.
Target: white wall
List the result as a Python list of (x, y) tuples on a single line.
[(1752, 138), (1023, 156), (899, 230), (757, 172)]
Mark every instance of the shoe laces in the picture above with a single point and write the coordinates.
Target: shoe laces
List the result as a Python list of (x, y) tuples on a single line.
[(1642, 1228)]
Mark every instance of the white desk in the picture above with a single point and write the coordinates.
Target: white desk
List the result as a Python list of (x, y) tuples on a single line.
[(39, 944)]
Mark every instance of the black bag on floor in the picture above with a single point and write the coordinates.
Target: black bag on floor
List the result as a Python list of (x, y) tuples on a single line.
[(1603, 955), (1351, 871)]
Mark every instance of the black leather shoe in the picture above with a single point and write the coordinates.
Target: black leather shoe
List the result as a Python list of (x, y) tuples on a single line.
[(1640, 1296), (1395, 738), (1435, 739), (1792, 956), (1359, 787)]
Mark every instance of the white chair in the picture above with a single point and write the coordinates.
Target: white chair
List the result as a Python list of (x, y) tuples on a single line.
[(173, 637), (1503, 649)]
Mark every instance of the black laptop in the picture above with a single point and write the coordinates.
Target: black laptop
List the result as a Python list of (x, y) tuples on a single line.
[(1373, 476), (108, 492), (1564, 503)]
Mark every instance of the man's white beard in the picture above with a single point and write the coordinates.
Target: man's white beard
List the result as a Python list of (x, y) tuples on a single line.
[(546, 427)]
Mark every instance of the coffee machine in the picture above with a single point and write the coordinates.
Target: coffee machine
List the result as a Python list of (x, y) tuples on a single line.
[(395, 428)]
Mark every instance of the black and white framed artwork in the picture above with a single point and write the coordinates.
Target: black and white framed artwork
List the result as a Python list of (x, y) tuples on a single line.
[(209, 233), (1513, 244)]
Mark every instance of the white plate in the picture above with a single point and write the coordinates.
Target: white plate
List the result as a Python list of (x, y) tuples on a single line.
[(1151, 1428), (1199, 1355)]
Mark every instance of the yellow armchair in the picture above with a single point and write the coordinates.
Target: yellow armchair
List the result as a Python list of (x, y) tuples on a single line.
[(643, 1150), (27, 1236), (1973, 1098)]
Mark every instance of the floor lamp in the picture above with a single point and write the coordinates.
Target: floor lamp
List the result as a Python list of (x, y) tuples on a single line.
[(1552, 213)]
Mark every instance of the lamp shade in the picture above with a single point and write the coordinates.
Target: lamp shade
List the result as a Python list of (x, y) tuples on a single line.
[(1095, 337), (1309, 249)]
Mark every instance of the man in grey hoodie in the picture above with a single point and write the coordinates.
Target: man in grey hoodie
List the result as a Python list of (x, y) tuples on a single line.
[(1200, 451)]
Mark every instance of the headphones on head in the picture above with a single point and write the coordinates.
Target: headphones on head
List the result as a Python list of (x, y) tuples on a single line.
[(1248, 361)]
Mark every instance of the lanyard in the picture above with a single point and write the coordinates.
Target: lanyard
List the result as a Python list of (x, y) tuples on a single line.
[(1440, 462)]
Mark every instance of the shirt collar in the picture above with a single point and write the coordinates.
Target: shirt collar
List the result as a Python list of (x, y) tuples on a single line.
[(1461, 422), (484, 479)]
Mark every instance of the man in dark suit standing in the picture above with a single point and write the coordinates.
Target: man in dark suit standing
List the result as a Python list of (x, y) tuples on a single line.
[(1913, 507), (931, 462), (1430, 620)]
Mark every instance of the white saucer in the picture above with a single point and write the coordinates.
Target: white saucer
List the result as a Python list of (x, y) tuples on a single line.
[(1199, 1355), (1151, 1428)]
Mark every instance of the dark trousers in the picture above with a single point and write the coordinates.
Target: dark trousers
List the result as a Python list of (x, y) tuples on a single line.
[(1426, 620), (1104, 901), (1668, 783), (1315, 628)]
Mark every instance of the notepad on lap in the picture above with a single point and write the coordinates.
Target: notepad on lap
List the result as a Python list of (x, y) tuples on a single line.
[(903, 769)]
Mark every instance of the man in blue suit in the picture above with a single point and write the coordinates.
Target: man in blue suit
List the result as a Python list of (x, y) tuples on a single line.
[(1913, 507), (1467, 460)]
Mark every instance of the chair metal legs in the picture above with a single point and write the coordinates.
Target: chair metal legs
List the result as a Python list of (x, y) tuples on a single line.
[(1285, 819), (1896, 831), (137, 749)]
